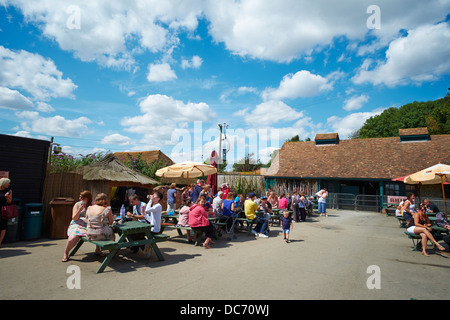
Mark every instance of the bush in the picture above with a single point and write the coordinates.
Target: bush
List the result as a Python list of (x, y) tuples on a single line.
[(63, 162)]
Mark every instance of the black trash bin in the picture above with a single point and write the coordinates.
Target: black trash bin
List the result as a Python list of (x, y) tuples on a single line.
[(13, 228), (32, 221)]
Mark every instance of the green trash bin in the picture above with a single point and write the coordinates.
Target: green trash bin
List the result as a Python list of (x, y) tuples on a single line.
[(13, 227), (32, 221)]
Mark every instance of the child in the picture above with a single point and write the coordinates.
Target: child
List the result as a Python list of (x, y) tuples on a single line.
[(286, 225)]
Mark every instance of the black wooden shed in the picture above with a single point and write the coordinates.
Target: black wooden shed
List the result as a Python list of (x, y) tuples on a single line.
[(26, 161)]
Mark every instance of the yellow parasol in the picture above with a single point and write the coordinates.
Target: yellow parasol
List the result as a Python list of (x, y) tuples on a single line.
[(436, 174), (186, 169)]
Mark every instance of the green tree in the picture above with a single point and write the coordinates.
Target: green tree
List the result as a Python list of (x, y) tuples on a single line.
[(432, 114), (247, 164), (140, 165)]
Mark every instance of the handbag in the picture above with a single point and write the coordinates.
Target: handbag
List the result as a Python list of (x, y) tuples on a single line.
[(9, 211)]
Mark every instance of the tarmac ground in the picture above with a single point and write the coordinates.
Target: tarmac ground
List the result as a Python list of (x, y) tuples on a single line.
[(349, 255)]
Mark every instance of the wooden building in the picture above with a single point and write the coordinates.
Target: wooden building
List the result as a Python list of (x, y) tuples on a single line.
[(359, 166)]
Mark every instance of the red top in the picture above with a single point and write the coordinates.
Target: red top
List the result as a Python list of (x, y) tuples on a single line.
[(282, 203), (197, 216)]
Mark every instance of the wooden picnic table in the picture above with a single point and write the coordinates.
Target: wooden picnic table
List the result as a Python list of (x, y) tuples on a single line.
[(125, 232)]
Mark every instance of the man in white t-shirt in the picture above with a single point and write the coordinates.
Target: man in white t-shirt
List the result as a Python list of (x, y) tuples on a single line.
[(322, 202), (153, 212)]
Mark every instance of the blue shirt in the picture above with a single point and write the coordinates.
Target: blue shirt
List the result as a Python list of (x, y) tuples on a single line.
[(196, 192), (286, 222), (227, 207), (171, 196)]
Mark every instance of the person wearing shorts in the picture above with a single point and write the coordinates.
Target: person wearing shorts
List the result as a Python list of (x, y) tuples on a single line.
[(420, 225), (286, 225)]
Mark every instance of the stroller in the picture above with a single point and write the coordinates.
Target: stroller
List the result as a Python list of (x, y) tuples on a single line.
[(228, 224)]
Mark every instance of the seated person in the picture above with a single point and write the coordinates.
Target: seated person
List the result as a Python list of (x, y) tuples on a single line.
[(153, 212), (217, 205), (420, 225), (198, 220), (138, 209), (282, 202), (228, 210), (183, 218), (399, 210), (431, 207), (250, 208), (267, 208)]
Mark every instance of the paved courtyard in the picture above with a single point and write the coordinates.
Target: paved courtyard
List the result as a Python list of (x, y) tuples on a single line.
[(334, 257)]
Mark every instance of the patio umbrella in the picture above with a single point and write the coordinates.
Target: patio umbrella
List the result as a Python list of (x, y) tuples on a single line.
[(433, 175), (186, 169)]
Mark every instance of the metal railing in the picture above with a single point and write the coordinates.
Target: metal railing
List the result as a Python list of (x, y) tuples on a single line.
[(349, 201)]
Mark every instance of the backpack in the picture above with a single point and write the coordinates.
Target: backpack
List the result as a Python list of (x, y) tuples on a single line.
[(440, 219)]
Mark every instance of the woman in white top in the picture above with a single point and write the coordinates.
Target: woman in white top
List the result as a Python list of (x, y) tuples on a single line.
[(409, 208), (153, 212)]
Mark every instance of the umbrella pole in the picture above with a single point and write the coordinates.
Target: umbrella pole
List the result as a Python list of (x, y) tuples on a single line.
[(443, 194), (188, 180)]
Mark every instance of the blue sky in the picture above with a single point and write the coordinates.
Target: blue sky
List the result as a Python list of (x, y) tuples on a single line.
[(145, 75)]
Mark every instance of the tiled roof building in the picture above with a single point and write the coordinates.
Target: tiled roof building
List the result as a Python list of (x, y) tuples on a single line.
[(328, 158)]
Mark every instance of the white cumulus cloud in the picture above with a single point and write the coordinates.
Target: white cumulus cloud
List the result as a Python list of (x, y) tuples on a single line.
[(160, 72), (34, 74), (301, 84), (422, 55)]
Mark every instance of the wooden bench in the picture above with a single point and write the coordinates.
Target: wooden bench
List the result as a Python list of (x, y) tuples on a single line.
[(401, 221), (416, 240), (125, 240), (197, 233), (388, 206), (249, 224)]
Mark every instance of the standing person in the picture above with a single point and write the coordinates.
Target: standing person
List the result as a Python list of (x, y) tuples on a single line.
[(198, 220), (286, 225), (191, 191), (77, 227), (172, 198), (5, 199), (225, 190), (153, 212), (98, 219), (322, 202), (295, 206), (197, 189), (302, 206), (185, 195), (289, 199)]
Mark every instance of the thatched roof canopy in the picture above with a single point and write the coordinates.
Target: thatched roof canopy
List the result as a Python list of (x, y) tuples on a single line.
[(114, 170)]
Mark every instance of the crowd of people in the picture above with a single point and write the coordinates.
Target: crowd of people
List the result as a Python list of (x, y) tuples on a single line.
[(418, 222), (93, 217)]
